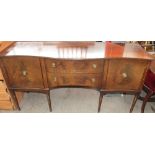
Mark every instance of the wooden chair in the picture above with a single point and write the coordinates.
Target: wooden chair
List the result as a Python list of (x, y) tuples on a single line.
[(149, 89), (149, 46), (149, 86), (73, 49)]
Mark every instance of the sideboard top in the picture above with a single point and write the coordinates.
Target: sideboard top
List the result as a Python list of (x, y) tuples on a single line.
[(77, 50), (4, 45)]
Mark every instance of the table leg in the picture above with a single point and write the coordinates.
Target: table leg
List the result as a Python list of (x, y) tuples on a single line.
[(134, 102), (49, 101), (100, 100), (13, 94)]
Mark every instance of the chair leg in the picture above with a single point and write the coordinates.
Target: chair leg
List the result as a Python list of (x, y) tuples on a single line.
[(134, 102), (145, 101), (100, 100), (12, 92), (49, 101)]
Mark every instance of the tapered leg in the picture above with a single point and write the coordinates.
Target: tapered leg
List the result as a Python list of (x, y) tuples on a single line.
[(12, 92), (49, 101), (100, 101), (145, 101), (134, 102)]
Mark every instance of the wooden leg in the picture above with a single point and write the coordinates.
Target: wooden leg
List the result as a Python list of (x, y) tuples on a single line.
[(12, 92), (134, 102), (100, 101), (49, 101), (145, 101)]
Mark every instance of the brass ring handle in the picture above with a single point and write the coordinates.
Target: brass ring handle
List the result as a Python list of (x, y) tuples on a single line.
[(24, 72), (124, 75), (94, 65), (93, 80), (53, 65)]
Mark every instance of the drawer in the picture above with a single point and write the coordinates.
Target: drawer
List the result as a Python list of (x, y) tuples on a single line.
[(76, 66), (85, 80), (1, 75), (4, 96), (6, 105), (2, 86), (125, 74)]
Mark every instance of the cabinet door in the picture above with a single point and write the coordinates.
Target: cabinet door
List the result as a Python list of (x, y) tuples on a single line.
[(23, 72), (125, 74)]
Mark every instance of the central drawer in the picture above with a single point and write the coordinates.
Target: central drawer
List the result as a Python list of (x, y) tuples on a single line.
[(74, 66), (85, 80)]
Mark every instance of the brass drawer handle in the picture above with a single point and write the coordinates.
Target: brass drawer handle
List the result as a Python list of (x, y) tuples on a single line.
[(124, 75), (93, 80), (53, 65), (24, 73), (94, 66)]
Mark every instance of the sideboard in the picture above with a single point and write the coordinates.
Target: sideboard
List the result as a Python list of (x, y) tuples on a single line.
[(43, 66)]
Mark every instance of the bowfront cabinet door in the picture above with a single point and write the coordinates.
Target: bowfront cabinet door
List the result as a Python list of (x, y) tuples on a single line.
[(23, 72), (125, 74)]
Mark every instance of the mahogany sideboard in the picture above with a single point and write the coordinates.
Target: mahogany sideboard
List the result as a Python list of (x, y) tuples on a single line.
[(43, 66)]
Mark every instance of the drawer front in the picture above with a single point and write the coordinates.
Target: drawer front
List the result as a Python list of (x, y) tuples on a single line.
[(24, 72), (125, 74), (76, 66), (2, 86), (52, 79), (1, 75), (85, 80), (6, 105), (4, 96)]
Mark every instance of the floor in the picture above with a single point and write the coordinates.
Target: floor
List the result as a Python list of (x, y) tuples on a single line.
[(78, 100)]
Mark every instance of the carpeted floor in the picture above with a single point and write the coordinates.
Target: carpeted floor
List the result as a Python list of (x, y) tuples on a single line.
[(78, 100)]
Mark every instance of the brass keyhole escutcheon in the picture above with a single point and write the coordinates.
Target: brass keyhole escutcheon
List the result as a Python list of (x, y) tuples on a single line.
[(94, 66), (124, 75), (53, 65), (24, 72), (55, 79), (93, 80)]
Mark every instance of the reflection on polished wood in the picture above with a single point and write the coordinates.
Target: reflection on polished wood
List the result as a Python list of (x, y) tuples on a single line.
[(108, 68), (94, 50)]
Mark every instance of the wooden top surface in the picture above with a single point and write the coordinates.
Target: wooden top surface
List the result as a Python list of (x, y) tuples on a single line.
[(126, 51), (4, 45), (77, 50)]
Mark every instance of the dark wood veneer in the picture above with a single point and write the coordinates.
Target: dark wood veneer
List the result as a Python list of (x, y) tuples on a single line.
[(119, 70)]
